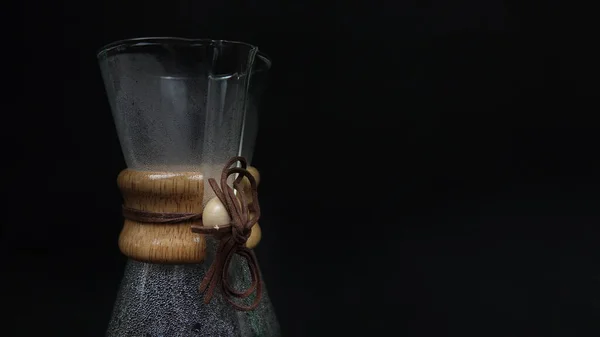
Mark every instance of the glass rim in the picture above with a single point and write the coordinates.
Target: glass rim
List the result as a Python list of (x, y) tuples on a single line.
[(121, 45)]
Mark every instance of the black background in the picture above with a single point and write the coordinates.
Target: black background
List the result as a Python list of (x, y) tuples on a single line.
[(428, 168)]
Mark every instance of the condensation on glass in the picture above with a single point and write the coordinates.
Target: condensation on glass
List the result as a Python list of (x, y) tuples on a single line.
[(184, 105)]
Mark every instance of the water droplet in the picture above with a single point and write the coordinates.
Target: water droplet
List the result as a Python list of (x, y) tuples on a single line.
[(197, 327)]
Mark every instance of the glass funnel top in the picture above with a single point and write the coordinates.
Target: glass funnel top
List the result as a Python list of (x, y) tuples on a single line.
[(183, 104)]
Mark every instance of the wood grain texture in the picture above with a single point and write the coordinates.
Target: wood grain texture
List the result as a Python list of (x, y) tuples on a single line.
[(162, 192)]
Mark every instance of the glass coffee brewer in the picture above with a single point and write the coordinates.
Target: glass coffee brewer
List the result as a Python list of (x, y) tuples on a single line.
[(186, 116)]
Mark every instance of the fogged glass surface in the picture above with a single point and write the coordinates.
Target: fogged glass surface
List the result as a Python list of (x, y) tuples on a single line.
[(157, 300), (183, 105)]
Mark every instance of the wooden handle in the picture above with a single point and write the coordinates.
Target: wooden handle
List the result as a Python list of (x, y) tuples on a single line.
[(162, 192)]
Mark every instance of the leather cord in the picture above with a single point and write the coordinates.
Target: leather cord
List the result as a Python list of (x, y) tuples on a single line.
[(233, 237)]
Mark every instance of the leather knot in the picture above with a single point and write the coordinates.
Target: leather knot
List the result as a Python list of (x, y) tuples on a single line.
[(233, 237), (240, 236)]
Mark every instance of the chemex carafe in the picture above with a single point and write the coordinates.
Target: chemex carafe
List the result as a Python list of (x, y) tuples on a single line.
[(186, 114)]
